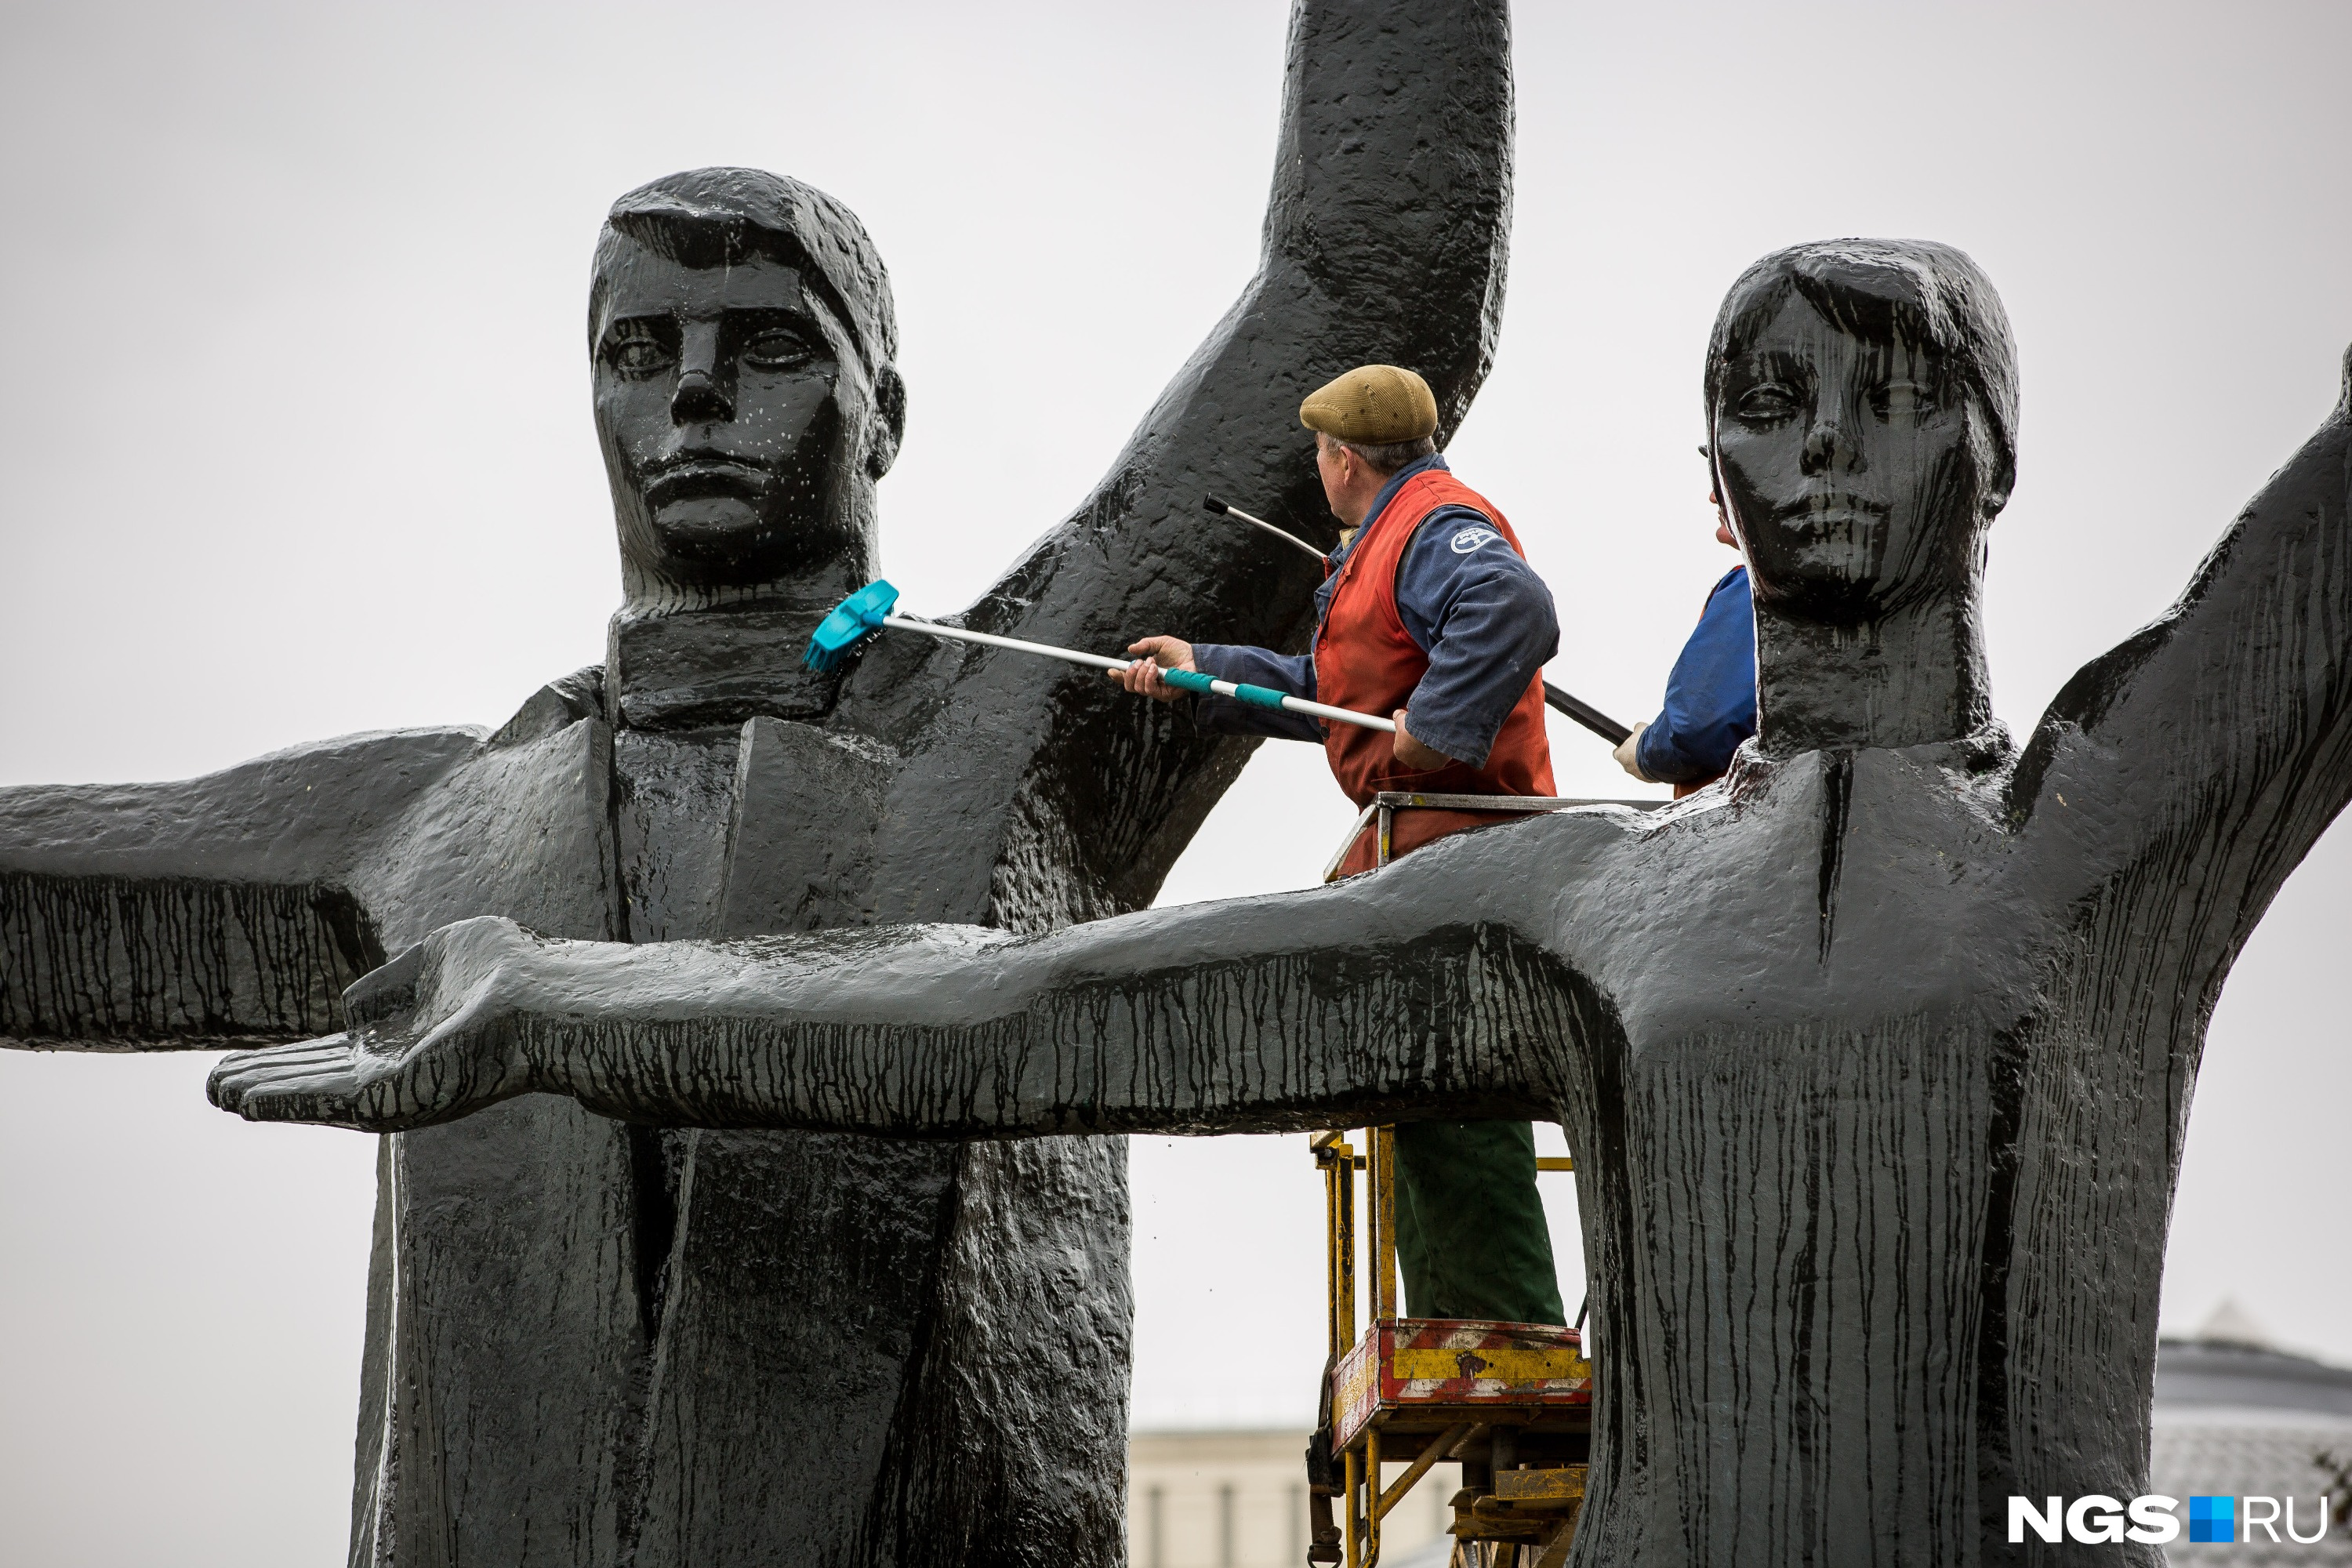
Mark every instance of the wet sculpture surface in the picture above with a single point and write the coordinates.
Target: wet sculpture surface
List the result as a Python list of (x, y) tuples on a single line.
[(599, 1343), (1875, 1058)]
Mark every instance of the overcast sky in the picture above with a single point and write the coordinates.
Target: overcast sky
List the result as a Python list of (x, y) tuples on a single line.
[(298, 443)]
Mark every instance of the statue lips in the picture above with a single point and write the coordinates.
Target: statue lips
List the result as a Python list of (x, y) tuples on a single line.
[(693, 476), (1830, 515), (706, 503)]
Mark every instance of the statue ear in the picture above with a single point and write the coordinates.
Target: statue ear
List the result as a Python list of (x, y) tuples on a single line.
[(887, 426), (1996, 493), (1995, 460)]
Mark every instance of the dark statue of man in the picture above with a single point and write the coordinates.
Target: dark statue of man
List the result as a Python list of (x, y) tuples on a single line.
[(1876, 1057), (593, 1342)]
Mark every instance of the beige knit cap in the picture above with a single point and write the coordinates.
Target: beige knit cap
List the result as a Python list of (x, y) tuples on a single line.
[(1374, 406)]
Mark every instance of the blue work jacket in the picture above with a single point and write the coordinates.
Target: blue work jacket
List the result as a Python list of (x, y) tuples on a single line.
[(1710, 694)]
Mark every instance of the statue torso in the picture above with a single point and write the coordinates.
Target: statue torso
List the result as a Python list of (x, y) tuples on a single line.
[(635, 1332), (1844, 1146)]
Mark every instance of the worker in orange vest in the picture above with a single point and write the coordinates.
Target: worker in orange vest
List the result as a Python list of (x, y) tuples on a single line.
[(1429, 613)]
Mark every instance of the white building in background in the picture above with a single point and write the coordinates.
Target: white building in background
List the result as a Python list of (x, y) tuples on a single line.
[(2235, 1416), (1238, 1500)]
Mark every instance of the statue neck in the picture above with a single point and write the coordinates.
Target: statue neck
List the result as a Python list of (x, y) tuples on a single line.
[(714, 657), (1911, 677)]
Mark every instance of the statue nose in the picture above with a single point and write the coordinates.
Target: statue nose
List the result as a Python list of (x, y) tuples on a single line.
[(1823, 447), (699, 399)]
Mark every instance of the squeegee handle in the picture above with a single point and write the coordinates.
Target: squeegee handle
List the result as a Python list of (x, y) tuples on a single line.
[(1586, 714), (1266, 696), (1189, 681), (1221, 509), (958, 633)]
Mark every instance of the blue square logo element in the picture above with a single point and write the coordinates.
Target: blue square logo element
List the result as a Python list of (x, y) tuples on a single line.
[(2212, 1519)]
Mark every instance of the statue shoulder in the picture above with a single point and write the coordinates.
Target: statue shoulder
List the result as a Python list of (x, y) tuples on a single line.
[(555, 706)]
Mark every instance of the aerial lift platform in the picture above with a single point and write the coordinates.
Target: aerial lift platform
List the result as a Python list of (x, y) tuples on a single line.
[(1511, 1403)]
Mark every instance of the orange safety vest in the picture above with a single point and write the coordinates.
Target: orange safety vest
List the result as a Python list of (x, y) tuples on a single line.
[(1365, 659)]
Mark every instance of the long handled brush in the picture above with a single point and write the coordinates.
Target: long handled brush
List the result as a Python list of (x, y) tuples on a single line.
[(867, 611)]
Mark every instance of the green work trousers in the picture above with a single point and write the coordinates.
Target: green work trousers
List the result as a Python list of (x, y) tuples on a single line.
[(1471, 1237)]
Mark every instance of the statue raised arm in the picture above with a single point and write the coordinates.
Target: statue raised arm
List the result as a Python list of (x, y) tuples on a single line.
[(1875, 1057), (2204, 755), (1385, 240)]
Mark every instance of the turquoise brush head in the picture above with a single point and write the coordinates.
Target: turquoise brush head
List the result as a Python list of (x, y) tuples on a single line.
[(850, 622)]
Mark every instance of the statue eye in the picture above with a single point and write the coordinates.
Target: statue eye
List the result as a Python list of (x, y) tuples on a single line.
[(1767, 404), (636, 349), (776, 349), (1903, 402)]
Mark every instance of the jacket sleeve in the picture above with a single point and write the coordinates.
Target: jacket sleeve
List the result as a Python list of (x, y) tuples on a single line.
[(1486, 622), (1711, 693)]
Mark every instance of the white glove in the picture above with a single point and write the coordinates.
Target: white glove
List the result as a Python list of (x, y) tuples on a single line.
[(1624, 754)]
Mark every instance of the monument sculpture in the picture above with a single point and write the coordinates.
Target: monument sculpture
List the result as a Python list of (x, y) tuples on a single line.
[(599, 1342), (1876, 1057)]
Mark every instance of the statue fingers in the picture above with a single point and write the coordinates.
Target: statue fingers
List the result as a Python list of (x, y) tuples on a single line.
[(240, 1071), (329, 1097), (340, 1083), (318, 1083)]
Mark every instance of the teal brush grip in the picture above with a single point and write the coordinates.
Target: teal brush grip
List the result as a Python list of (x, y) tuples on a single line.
[(1258, 696), (1193, 680)]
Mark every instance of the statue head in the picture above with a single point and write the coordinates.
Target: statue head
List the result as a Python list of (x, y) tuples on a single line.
[(741, 333), (1861, 411)]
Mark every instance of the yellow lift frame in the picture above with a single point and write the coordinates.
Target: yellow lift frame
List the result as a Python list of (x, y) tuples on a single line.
[(1534, 1436), (1534, 1445)]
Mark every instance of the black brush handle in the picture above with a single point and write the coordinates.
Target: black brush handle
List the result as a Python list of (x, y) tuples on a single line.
[(1584, 713)]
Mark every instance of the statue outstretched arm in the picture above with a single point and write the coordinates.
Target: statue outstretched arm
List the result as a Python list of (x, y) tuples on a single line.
[(1412, 994), (1385, 238), (2220, 737), (200, 913)]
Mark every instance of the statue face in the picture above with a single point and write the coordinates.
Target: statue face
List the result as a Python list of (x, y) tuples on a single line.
[(733, 413), (1853, 473)]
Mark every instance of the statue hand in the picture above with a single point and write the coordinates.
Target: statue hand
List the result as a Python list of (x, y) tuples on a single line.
[(435, 1035)]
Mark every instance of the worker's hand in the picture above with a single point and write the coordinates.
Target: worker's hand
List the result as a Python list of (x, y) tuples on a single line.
[(1142, 677), (1421, 758), (1628, 754)]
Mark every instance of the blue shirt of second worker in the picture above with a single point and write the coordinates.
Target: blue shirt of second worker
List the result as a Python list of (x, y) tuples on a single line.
[(1710, 694), (1467, 600)]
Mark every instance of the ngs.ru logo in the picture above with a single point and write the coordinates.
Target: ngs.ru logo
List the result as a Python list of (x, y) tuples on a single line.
[(2152, 1519)]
